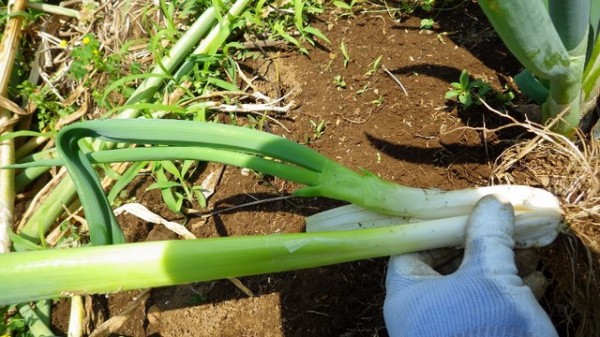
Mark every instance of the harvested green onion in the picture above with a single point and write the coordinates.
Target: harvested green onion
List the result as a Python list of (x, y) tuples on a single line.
[(49, 273), (33, 275)]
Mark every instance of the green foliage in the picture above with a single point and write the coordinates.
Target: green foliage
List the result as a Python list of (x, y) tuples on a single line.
[(378, 102), (71, 236), (468, 92), (345, 53), (348, 8), (374, 66), (318, 129), (86, 56), (427, 23), (48, 109), (12, 324), (558, 44), (409, 6), (278, 23), (339, 82), (174, 193)]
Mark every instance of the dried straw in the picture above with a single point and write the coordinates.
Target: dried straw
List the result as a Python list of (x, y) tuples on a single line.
[(570, 169)]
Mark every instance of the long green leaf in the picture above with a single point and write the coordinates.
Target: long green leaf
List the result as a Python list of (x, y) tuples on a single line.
[(594, 20), (215, 38), (571, 20), (531, 87), (103, 225), (104, 228), (64, 193), (528, 32), (257, 163), (170, 62), (100, 269), (187, 133)]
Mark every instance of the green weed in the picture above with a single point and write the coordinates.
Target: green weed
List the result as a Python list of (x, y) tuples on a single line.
[(468, 92)]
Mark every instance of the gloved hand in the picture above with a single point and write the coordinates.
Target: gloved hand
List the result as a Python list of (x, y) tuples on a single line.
[(483, 298)]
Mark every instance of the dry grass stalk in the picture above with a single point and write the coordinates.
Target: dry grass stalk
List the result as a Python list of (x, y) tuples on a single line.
[(8, 52)]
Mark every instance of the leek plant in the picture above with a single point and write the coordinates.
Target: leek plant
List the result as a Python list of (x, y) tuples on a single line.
[(557, 43), (432, 218)]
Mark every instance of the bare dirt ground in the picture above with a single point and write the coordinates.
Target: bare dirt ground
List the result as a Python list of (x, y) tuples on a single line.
[(403, 135)]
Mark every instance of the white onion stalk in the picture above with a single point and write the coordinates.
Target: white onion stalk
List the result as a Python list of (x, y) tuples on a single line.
[(28, 276), (537, 213)]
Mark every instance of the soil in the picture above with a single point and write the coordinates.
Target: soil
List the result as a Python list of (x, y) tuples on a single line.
[(400, 128)]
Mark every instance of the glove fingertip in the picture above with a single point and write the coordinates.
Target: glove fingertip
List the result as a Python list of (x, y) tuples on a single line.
[(415, 264), (492, 216), (489, 244)]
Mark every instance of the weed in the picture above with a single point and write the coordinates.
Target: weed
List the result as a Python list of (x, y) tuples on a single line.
[(409, 6), (378, 102), (276, 22), (257, 124), (197, 299), (345, 53), (174, 193), (318, 129), (48, 110), (374, 66), (339, 82), (11, 323), (427, 23), (87, 57), (362, 90), (347, 7), (467, 91)]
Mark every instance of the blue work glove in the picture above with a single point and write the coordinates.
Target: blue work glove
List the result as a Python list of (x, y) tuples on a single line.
[(483, 298)]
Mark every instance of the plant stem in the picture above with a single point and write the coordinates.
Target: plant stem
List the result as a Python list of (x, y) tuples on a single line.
[(8, 47), (52, 273), (52, 9), (215, 38), (169, 63), (64, 193), (256, 163)]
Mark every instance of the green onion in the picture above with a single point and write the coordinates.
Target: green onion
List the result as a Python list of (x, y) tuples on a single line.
[(553, 41), (250, 148), (33, 275), (100, 269)]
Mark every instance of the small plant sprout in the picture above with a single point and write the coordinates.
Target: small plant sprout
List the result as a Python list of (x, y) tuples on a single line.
[(378, 102), (363, 89), (174, 193), (374, 66), (339, 82), (318, 129), (308, 33), (345, 53), (427, 5), (427, 23), (467, 91), (348, 7)]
